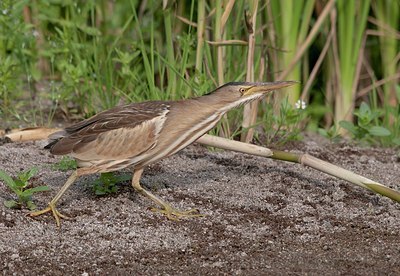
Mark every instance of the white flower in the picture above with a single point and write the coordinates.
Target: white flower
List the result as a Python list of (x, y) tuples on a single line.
[(300, 104)]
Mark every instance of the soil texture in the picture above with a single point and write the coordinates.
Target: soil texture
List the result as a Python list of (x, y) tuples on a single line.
[(262, 217)]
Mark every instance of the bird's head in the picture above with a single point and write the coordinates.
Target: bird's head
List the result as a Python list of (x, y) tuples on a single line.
[(237, 93)]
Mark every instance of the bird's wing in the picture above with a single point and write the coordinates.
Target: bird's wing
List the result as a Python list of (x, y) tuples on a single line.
[(119, 133)]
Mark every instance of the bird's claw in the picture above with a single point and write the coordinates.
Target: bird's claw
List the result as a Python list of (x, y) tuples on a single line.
[(51, 208), (175, 214)]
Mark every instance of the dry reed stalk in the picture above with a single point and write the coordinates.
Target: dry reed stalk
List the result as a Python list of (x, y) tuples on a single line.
[(250, 110)]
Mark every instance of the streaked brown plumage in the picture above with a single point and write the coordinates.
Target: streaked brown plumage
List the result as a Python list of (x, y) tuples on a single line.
[(138, 134)]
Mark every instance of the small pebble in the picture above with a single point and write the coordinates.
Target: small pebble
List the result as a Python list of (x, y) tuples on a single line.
[(14, 256)]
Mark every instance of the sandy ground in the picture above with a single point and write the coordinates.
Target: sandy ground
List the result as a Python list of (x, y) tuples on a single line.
[(262, 217)]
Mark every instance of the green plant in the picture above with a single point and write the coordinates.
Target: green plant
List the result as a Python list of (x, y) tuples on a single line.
[(65, 164), (332, 133), (107, 183), (19, 186), (367, 127), (291, 21), (16, 56), (285, 125), (352, 21), (388, 16)]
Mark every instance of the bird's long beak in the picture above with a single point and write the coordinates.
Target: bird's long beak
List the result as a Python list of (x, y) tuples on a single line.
[(265, 87)]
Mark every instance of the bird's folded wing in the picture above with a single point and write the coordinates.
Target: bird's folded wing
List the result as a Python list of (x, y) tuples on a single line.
[(118, 133)]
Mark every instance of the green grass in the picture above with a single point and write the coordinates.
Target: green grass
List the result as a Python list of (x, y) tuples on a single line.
[(78, 58)]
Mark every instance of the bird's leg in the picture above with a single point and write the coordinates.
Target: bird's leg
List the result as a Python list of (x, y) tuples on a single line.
[(52, 205), (166, 209)]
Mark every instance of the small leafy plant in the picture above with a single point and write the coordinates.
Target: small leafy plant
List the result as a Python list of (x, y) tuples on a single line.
[(332, 133), (65, 164), (367, 126), (107, 183), (285, 125), (19, 186)]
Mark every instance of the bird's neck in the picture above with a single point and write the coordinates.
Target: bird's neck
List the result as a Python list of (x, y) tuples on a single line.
[(213, 102), (220, 103)]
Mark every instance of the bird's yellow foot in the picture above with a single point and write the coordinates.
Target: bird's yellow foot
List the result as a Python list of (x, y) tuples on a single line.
[(51, 208), (175, 214)]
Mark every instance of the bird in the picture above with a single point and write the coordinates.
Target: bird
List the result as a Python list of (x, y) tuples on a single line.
[(139, 134)]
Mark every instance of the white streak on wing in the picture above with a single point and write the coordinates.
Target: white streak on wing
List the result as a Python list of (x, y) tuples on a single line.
[(211, 121), (160, 122)]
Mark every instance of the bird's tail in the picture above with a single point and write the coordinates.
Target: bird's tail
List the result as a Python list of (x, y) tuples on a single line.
[(55, 137)]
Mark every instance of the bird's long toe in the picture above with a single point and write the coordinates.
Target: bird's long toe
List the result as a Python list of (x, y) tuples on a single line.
[(51, 208), (175, 214)]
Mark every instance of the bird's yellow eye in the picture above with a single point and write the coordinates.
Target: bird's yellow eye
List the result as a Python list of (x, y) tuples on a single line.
[(242, 90)]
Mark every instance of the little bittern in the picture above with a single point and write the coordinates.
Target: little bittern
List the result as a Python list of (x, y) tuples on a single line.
[(138, 134)]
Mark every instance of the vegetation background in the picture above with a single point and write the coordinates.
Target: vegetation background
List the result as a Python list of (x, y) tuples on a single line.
[(70, 59)]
